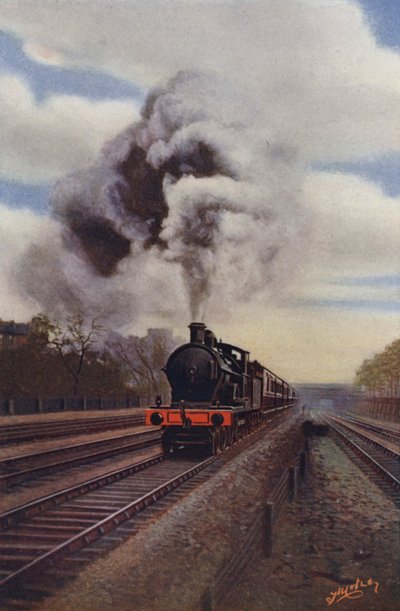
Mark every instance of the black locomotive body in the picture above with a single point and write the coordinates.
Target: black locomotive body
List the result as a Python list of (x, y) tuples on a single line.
[(218, 394)]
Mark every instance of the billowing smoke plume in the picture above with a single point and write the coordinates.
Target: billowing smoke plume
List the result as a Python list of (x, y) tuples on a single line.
[(193, 207)]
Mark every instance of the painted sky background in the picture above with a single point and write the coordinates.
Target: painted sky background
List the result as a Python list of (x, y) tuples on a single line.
[(73, 75)]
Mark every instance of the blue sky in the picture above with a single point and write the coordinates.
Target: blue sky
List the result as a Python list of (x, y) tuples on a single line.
[(390, 280), (45, 80), (384, 17)]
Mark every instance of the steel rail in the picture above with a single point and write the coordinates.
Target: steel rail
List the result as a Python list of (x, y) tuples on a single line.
[(394, 481), (14, 516), (379, 443), (14, 433), (17, 477), (102, 527), (376, 428), (12, 461)]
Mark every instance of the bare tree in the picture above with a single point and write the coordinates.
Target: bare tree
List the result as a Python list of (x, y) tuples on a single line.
[(73, 338), (145, 357)]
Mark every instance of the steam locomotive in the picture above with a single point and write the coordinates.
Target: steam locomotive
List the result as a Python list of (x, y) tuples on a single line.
[(218, 394)]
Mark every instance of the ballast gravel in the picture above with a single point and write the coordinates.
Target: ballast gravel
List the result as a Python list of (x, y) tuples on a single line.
[(337, 545)]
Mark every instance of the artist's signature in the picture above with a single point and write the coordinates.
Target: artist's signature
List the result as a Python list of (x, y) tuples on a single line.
[(353, 590)]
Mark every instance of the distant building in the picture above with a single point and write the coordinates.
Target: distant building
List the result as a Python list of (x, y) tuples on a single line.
[(13, 334)]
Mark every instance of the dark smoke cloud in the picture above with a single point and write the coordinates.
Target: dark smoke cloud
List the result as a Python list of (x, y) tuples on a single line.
[(191, 196)]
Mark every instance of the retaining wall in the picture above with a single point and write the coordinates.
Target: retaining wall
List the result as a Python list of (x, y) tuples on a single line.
[(62, 404), (381, 408)]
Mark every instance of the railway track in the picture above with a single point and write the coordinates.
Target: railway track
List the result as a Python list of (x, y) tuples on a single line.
[(43, 533), (48, 540), (380, 462), (17, 469), (390, 433), (15, 433)]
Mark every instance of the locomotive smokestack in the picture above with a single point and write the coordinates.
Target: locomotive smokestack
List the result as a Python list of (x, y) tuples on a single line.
[(197, 332)]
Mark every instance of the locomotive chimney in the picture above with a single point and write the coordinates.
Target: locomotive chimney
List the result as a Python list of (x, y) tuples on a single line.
[(197, 332)]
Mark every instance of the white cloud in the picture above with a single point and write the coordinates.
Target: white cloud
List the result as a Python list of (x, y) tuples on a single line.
[(354, 231), (41, 142), (19, 229), (315, 66)]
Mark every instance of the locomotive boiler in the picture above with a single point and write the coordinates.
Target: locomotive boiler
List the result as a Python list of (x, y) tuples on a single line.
[(217, 394)]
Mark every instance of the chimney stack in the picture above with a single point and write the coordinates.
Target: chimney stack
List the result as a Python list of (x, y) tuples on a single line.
[(197, 332)]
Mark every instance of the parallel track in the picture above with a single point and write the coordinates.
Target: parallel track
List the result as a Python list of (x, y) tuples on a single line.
[(15, 433), (18, 469), (390, 433), (36, 537), (376, 460)]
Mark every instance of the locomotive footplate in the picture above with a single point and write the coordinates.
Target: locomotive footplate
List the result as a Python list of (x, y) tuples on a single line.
[(175, 417)]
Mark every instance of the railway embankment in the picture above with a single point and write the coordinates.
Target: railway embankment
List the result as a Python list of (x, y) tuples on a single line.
[(337, 545), (170, 564)]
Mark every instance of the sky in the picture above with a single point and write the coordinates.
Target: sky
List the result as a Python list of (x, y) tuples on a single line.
[(288, 246)]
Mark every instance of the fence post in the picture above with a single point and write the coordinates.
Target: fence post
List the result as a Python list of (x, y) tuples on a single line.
[(11, 407), (303, 464), (64, 404), (292, 483), (84, 403), (39, 405), (269, 523), (207, 601)]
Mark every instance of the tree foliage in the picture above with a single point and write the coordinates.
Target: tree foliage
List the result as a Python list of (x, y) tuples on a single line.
[(380, 376)]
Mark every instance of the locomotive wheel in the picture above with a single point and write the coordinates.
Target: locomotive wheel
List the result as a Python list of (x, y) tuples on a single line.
[(166, 445), (217, 442), (212, 445), (223, 439)]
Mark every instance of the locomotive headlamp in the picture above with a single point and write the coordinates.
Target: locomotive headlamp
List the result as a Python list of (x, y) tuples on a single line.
[(156, 418), (217, 419)]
